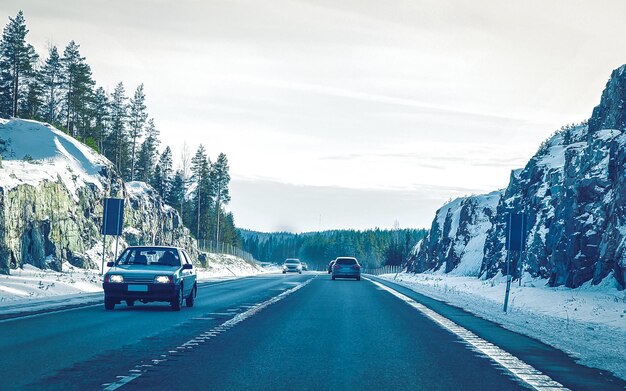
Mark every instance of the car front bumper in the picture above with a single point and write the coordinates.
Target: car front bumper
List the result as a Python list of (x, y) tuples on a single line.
[(145, 292)]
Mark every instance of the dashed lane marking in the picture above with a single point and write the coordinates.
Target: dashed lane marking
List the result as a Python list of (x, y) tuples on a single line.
[(525, 372), (139, 370)]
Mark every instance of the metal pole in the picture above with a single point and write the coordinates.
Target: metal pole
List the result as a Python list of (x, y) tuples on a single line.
[(104, 231), (508, 264), (104, 246), (117, 241), (522, 247)]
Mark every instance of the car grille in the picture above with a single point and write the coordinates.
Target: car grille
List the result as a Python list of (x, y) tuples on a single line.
[(139, 279)]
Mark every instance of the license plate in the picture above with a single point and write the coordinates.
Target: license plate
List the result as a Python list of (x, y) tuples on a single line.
[(138, 288)]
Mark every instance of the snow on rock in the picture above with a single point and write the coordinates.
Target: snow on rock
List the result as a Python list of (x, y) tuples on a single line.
[(572, 192), (456, 239), (34, 152), (52, 189)]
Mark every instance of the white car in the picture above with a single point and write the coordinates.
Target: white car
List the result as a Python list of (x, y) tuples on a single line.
[(292, 265)]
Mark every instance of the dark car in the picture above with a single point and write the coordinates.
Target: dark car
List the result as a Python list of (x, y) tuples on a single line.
[(151, 273), (347, 267)]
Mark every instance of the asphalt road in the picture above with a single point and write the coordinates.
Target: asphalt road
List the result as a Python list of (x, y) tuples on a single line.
[(274, 332)]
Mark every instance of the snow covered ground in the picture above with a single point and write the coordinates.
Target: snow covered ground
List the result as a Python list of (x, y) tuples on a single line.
[(32, 289), (589, 323)]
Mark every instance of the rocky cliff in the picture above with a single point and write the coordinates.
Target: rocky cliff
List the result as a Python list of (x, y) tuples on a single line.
[(457, 236), (573, 193), (51, 195)]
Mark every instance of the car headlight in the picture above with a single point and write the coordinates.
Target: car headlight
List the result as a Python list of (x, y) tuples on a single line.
[(116, 278), (163, 279)]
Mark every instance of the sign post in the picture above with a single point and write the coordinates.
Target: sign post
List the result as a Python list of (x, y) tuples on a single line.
[(515, 241), (112, 223)]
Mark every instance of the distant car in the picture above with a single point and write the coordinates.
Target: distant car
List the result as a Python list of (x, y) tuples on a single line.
[(305, 267), (330, 266), (151, 273), (346, 267), (292, 265)]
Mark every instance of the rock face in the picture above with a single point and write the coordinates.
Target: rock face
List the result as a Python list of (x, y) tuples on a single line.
[(51, 195), (457, 236), (573, 194)]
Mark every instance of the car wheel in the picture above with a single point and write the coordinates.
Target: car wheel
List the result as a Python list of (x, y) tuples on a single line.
[(333, 278), (284, 272), (299, 272), (191, 298), (130, 303), (109, 304), (177, 301), (358, 278)]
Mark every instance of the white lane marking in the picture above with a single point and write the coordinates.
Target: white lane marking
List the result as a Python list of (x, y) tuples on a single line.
[(525, 372), (139, 370)]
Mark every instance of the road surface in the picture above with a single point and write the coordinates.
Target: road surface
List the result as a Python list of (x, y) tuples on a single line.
[(281, 332)]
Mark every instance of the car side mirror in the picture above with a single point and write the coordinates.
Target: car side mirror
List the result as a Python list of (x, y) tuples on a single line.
[(187, 266), (110, 264)]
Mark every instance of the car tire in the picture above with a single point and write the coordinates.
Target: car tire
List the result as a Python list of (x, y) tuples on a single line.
[(284, 272), (299, 272), (192, 296), (333, 278), (177, 301), (109, 304), (130, 302), (358, 278)]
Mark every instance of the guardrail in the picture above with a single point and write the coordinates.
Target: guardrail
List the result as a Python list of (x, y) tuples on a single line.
[(209, 246), (387, 269)]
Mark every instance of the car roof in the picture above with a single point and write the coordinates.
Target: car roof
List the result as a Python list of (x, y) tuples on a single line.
[(150, 246)]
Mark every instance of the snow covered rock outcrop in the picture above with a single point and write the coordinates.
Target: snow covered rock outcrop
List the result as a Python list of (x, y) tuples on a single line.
[(573, 192), (457, 236), (51, 194)]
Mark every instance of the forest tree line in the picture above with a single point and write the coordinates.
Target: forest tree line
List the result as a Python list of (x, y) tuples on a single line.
[(60, 89), (373, 248)]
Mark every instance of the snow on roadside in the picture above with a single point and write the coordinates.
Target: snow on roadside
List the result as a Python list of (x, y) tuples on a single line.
[(32, 289), (588, 323)]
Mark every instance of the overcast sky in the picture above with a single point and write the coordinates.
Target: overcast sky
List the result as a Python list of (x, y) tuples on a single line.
[(351, 113)]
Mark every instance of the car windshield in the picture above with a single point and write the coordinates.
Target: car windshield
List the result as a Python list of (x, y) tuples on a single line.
[(346, 261), (153, 256), (292, 262)]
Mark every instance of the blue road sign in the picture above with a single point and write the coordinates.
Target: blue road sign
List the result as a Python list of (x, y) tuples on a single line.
[(113, 216), (516, 232)]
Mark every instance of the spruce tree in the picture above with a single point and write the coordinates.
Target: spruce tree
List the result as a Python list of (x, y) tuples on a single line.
[(220, 179), (116, 145), (77, 90), (136, 123), (101, 118), (51, 79), (17, 61), (147, 156), (176, 194), (200, 169), (162, 180)]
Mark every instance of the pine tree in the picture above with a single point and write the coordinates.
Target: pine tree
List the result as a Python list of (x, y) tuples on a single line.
[(31, 106), (101, 118), (220, 179), (200, 169), (17, 61), (77, 89), (147, 156), (116, 145), (136, 123), (51, 79)]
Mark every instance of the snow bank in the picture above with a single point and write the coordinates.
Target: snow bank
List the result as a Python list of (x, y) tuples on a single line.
[(588, 323), (35, 152)]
